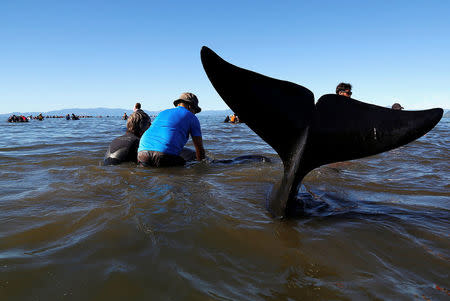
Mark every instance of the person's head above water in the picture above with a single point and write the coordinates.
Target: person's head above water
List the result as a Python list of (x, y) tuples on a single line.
[(189, 100), (344, 89), (138, 123), (397, 106)]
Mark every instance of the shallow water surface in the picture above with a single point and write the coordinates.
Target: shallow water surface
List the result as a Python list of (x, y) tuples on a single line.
[(371, 229)]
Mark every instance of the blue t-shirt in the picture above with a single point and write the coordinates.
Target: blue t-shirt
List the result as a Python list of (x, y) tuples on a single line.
[(170, 131)]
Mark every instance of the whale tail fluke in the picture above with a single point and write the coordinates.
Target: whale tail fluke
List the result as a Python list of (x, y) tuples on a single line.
[(307, 135)]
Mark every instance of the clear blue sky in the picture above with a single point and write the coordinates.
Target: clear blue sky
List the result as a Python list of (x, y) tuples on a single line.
[(86, 54)]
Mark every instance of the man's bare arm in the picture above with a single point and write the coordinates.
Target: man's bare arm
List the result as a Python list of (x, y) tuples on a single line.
[(199, 150)]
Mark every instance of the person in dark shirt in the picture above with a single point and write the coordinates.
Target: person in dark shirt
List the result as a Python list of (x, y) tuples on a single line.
[(124, 148)]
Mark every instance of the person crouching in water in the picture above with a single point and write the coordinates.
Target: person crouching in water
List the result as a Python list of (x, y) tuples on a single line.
[(162, 145), (124, 148)]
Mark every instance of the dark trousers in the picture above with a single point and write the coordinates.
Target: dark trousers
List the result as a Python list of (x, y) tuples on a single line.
[(158, 159)]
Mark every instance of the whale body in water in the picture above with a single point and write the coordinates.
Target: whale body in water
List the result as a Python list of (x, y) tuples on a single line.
[(305, 134)]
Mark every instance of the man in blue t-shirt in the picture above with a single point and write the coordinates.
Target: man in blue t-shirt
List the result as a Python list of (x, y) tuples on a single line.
[(162, 144)]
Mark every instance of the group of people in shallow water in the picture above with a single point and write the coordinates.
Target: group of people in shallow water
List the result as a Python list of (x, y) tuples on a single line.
[(21, 118), (162, 143), (73, 117), (18, 118)]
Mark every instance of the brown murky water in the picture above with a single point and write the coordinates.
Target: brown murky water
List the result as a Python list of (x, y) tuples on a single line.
[(71, 229)]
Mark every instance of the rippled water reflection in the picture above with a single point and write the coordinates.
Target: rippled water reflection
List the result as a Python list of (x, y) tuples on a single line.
[(70, 228)]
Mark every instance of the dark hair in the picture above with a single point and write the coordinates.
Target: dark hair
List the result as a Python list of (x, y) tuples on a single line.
[(138, 123), (343, 87), (137, 106), (397, 106)]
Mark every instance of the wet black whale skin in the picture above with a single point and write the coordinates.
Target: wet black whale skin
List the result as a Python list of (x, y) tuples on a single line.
[(307, 135)]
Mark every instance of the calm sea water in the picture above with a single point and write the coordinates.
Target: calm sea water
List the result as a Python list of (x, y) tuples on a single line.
[(72, 229)]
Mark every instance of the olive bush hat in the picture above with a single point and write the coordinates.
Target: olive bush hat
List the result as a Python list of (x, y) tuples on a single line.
[(190, 99)]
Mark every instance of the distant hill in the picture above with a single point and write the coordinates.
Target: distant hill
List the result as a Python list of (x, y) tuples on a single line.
[(119, 112), (90, 112)]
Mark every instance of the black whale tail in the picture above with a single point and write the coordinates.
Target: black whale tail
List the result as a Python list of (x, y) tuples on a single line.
[(307, 135)]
